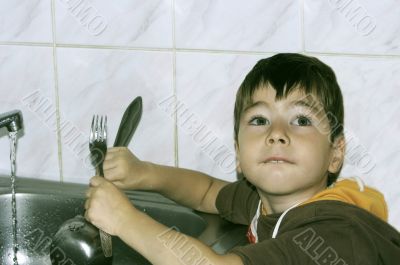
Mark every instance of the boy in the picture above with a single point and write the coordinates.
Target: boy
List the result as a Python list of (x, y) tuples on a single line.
[(290, 148)]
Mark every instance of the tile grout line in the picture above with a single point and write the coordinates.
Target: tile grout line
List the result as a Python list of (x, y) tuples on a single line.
[(174, 49), (60, 163), (303, 44), (176, 142), (28, 44)]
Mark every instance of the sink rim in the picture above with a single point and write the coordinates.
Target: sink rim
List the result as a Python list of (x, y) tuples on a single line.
[(219, 234)]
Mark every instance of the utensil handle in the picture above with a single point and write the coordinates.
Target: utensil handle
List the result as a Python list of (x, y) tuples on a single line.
[(105, 239), (99, 170), (106, 243)]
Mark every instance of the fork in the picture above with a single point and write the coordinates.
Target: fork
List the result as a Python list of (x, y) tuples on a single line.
[(98, 143), (98, 150)]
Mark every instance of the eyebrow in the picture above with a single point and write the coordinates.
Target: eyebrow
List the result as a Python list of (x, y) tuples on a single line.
[(312, 106), (256, 104)]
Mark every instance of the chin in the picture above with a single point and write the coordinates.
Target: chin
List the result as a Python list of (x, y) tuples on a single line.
[(275, 188), (277, 191), (275, 184)]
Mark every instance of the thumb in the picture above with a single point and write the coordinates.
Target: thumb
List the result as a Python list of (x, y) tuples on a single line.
[(96, 181)]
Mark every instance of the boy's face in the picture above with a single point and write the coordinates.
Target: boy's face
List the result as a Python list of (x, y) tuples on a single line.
[(284, 146)]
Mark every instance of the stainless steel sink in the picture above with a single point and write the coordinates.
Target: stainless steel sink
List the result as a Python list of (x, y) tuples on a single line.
[(42, 206)]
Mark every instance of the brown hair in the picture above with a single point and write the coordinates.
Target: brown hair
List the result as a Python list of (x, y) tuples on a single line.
[(286, 72)]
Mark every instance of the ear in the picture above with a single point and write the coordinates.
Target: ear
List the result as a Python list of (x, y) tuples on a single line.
[(337, 156), (238, 168)]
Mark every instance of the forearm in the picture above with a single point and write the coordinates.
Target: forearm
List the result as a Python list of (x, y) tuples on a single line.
[(163, 245), (187, 187), (190, 188)]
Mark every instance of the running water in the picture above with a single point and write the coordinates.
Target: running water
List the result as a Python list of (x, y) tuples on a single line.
[(13, 147)]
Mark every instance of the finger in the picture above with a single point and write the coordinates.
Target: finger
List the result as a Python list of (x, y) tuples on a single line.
[(109, 165), (113, 150), (119, 185), (96, 181), (109, 156), (112, 174)]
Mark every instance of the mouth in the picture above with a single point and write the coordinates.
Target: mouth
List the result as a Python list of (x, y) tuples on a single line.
[(277, 160)]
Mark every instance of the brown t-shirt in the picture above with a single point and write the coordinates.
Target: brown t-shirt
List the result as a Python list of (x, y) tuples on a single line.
[(318, 233)]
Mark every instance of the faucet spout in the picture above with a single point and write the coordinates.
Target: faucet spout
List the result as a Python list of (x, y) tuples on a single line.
[(12, 120)]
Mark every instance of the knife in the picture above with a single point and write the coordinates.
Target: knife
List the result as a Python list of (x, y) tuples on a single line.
[(130, 121)]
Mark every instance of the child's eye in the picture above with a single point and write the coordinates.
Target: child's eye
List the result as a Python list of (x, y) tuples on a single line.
[(258, 121), (302, 120)]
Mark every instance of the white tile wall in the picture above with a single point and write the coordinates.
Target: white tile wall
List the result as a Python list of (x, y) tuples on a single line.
[(134, 23), (352, 26), (256, 25), (27, 84), (96, 56), (26, 21)]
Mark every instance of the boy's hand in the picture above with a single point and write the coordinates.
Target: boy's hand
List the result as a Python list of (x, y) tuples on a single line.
[(124, 169), (111, 211), (106, 206)]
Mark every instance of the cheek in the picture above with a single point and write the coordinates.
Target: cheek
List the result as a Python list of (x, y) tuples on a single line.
[(250, 148), (246, 154), (315, 146)]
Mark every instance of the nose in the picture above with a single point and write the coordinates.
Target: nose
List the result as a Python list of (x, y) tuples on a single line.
[(277, 135)]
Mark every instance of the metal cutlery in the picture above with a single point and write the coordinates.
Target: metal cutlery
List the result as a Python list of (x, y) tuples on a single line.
[(98, 150)]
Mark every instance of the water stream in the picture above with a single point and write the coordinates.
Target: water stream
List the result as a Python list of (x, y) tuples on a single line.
[(13, 147)]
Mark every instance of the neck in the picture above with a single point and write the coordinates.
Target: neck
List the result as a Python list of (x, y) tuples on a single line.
[(277, 203)]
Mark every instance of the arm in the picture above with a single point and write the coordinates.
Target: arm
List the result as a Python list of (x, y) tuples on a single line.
[(164, 245), (110, 210), (190, 188), (187, 187)]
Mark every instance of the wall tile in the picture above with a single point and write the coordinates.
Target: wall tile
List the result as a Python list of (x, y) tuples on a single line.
[(25, 20), (371, 90), (104, 82), (27, 84), (232, 25), (206, 88), (122, 23), (352, 26)]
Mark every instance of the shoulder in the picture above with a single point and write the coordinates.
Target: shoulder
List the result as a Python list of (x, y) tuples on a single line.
[(334, 213), (338, 229), (237, 201)]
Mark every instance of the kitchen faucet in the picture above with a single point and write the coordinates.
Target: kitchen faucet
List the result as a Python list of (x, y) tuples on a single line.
[(12, 120)]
